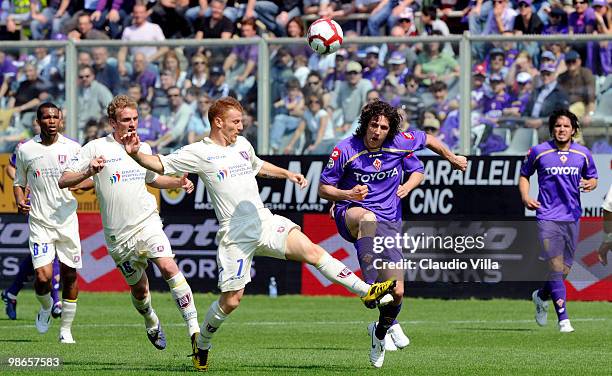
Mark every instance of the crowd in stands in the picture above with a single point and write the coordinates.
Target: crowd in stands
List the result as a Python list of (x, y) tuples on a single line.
[(316, 99)]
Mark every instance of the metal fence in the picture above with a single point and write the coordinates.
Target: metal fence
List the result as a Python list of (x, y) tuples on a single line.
[(465, 43)]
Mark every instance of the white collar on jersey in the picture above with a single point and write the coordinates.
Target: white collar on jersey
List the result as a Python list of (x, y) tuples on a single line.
[(60, 138)]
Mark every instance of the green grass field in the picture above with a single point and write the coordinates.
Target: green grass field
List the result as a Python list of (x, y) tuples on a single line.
[(304, 335)]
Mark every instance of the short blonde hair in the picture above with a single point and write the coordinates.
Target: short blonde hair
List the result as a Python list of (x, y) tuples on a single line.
[(118, 104)]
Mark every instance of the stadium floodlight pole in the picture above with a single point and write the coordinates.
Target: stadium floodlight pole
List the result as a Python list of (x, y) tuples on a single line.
[(465, 90), (70, 77), (263, 97)]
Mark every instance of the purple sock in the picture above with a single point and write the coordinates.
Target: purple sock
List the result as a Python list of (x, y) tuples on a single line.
[(26, 269), (557, 293), (55, 281), (544, 292), (388, 316), (365, 255)]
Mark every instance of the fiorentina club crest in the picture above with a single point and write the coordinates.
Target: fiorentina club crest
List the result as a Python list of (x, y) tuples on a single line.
[(377, 164), (563, 159), (245, 155), (62, 158)]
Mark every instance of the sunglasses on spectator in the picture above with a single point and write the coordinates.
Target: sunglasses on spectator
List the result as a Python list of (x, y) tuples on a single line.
[(199, 63), (314, 82), (315, 102), (173, 95), (579, 2), (85, 76), (498, 1), (570, 61), (352, 72), (546, 73)]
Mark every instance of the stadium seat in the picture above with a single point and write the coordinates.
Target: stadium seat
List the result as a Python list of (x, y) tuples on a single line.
[(522, 140)]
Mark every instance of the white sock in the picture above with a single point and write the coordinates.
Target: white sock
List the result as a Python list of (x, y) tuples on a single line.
[(181, 292), (146, 310), (214, 318), (337, 272), (69, 308), (45, 301)]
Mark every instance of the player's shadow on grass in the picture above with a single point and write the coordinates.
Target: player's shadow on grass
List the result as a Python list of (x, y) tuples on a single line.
[(16, 340), (498, 329), (308, 367), (308, 348), (122, 366)]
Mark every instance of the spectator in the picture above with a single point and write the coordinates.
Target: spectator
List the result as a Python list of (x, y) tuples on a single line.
[(280, 73), (338, 73), (249, 127), (478, 14), (241, 63), (412, 101), (431, 23), (92, 97), (106, 74), (191, 97), (434, 65), (320, 137), (525, 91), (314, 87), (349, 97), (143, 76), (496, 64), (199, 72), (398, 71), (176, 121), (526, 22), (85, 29), (389, 12), (30, 93), (583, 20), (91, 131), (479, 92), (602, 51), (275, 15), (8, 73), (373, 71), (578, 83), (300, 69), (500, 100), (169, 15), (50, 19), (141, 30), (389, 94), (405, 49), (216, 87), (84, 58), (171, 62), (443, 105), (523, 63), (501, 19), (296, 29), (161, 104), (546, 99), (150, 128), (105, 126), (557, 22), (199, 125), (216, 25), (134, 91), (289, 111), (112, 15)]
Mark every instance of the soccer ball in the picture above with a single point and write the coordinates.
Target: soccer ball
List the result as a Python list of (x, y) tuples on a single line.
[(325, 36)]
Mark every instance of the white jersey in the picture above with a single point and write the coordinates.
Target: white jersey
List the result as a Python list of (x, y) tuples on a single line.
[(607, 204), (125, 203), (40, 166), (227, 171)]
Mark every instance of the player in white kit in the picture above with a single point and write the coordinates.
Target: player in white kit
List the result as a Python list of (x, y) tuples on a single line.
[(227, 164), (132, 226), (54, 227)]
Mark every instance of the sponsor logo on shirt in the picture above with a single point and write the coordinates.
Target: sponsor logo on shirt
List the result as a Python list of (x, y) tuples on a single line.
[(115, 178), (375, 176), (330, 163), (222, 174), (245, 155), (377, 164), (215, 157), (280, 229), (408, 135), (335, 154), (563, 170), (36, 173)]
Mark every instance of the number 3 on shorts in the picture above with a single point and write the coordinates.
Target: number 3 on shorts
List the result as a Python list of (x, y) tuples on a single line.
[(240, 263), (35, 248), (126, 268)]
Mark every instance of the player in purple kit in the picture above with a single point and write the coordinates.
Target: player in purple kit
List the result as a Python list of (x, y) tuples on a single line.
[(564, 169), (363, 177)]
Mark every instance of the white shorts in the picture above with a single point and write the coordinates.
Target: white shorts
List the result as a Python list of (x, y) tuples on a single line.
[(132, 255), (262, 235), (64, 241)]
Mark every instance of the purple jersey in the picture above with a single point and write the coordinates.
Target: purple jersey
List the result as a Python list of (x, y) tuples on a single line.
[(579, 22), (351, 164), (494, 105), (559, 174)]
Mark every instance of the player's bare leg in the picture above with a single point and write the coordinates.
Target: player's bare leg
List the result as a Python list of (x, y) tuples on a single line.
[(70, 292), (300, 248), (141, 299), (42, 287)]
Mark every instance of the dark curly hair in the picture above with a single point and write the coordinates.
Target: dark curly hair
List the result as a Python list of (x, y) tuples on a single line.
[(552, 120), (374, 110)]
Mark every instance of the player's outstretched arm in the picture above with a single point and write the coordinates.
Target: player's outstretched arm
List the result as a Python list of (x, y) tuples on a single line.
[(529, 203), (71, 178), (131, 141), (329, 192), (458, 162), (268, 170), (163, 182)]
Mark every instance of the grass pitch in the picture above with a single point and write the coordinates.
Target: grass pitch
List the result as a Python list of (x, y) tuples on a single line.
[(312, 336)]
